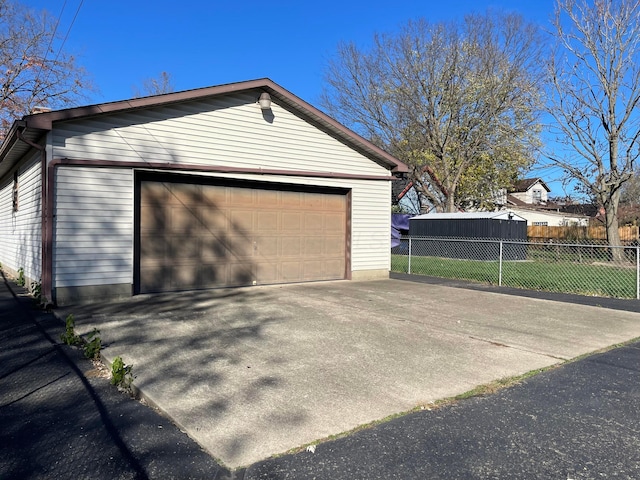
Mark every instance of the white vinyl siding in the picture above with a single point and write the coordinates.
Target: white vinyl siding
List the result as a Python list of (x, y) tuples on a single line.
[(93, 226), (20, 231), (227, 131)]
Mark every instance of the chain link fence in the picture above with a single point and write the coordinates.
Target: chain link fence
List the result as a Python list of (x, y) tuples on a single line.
[(586, 269)]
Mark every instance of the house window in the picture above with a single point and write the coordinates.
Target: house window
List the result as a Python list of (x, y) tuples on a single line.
[(537, 196), (540, 224), (15, 191)]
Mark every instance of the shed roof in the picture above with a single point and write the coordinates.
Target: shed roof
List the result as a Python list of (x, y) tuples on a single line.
[(501, 215), (33, 127)]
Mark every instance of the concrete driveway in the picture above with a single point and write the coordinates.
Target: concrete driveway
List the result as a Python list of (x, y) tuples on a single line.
[(249, 373)]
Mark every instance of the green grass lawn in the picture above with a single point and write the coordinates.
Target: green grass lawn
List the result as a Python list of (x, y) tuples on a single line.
[(559, 276)]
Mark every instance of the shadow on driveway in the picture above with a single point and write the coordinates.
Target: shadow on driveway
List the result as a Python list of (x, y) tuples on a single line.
[(253, 372)]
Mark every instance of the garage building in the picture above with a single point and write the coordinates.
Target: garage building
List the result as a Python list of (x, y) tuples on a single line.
[(233, 185)]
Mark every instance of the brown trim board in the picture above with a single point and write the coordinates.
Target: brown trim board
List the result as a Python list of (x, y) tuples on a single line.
[(179, 167)]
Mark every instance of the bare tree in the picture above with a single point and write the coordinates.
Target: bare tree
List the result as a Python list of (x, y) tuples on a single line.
[(457, 102), (630, 190), (595, 74), (156, 86), (33, 69)]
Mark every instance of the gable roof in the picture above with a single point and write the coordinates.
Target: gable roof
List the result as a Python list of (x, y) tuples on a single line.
[(526, 183), (33, 127)]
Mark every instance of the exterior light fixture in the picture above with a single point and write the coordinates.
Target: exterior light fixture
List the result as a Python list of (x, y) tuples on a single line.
[(265, 101)]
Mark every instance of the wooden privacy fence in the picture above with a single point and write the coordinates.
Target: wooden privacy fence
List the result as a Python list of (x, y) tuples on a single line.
[(542, 233)]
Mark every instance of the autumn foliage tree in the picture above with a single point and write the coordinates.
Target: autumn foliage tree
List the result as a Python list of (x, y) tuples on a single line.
[(33, 68), (458, 102)]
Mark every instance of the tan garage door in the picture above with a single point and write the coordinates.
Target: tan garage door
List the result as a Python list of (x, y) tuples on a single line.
[(201, 236)]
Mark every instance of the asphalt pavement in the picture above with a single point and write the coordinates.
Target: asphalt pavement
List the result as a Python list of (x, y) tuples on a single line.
[(578, 420), (57, 421)]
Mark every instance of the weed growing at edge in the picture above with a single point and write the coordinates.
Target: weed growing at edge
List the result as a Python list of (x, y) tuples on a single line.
[(121, 374), (21, 281), (69, 336), (93, 345)]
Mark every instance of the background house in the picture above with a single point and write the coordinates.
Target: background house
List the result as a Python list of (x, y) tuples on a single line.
[(529, 199), (239, 184), (530, 191)]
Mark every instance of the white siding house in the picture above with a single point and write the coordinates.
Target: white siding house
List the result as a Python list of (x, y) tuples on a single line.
[(550, 218), (532, 191), (158, 187)]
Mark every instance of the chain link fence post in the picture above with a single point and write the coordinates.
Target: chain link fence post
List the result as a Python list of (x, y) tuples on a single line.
[(409, 265), (500, 272), (637, 272)]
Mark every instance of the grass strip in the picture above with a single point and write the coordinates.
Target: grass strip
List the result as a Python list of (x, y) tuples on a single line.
[(593, 279)]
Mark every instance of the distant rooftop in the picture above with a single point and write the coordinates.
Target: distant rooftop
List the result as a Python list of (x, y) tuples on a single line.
[(526, 183), (501, 215)]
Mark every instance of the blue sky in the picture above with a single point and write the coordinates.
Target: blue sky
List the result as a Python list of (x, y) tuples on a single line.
[(203, 43)]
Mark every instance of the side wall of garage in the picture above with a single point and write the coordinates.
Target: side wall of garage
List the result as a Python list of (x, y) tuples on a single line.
[(21, 227)]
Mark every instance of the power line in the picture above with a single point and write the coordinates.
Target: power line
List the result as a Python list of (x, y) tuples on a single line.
[(66, 35), (69, 29), (53, 35)]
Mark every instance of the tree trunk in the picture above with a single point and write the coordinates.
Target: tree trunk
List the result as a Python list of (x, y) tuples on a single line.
[(611, 221), (451, 202)]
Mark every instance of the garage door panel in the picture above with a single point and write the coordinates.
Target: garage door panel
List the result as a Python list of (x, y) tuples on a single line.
[(204, 236), (312, 269), (313, 201), (156, 194), (241, 197), (240, 274), (334, 269), (267, 246), (334, 203), (215, 196), (214, 248), (268, 199), (185, 194), (184, 246), (291, 246), (239, 247), (313, 222), (155, 276), (152, 219), (213, 220), (291, 221), (313, 246), (267, 272), (241, 221), (334, 222), (267, 222), (152, 248), (290, 271), (291, 200), (183, 219), (212, 275), (184, 276), (334, 246)]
